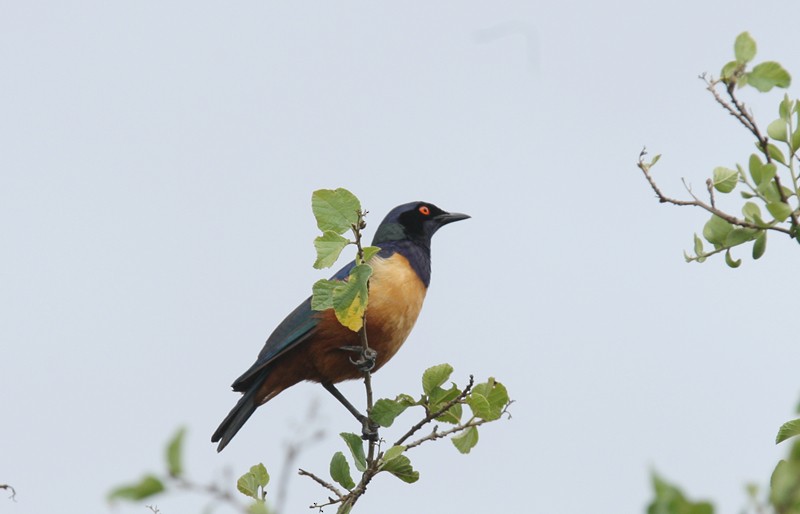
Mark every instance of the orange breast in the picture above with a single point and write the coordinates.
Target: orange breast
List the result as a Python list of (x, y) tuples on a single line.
[(395, 299)]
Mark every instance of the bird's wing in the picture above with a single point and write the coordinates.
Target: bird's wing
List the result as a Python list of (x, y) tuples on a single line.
[(299, 326)]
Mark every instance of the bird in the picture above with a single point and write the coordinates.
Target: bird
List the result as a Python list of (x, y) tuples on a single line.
[(313, 346)]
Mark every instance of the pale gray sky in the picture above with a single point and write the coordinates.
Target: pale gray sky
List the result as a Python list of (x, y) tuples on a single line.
[(156, 167)]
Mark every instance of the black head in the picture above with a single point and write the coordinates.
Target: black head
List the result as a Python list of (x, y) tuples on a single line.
[(415, 221)]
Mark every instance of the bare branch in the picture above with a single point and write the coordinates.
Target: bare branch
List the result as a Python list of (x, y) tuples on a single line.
[(210, 489), (293, 450), (327, 485), (7, 487)]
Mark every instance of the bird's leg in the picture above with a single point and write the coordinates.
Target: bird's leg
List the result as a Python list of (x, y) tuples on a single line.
[(367, 357), (369, 430)]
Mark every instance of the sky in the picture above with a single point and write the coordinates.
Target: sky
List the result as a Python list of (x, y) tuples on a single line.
[(156, 167)]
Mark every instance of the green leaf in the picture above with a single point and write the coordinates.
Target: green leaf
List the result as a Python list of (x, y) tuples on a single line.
[(393, 452), (406, 400), (768, 172), (148, 486), (729, 71), (784, 494), (779, 210), (174, 454), (785, 108), (356, 445), (451, 415), (717, 229), (322, 294), (755, 165), (335, 210), (769, 191), (729, 260), (329, 245), (698, 246), (725, 179), (385, 411), (435, 376), (795, 140), (498, 395), (400, 467), (258, 507), (751, 211), (654, 161), (744, 48), (738, 236), (767, 75), (670, 500), (249, 483), (369, 252), (466, 440), (777, 130), (760, 246), (438, 397), (350, 297), (479, 405), (787, 430), (776, 154), (340, 471), (496, 398)]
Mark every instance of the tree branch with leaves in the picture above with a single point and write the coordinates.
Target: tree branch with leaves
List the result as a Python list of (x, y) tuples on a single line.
[(771, 179), (338, 212)]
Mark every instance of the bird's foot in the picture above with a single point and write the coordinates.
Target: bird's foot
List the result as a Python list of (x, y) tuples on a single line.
[(369, 429), (366, 360)]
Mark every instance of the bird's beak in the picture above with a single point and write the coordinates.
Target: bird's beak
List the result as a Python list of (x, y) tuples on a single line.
[(450, 217)]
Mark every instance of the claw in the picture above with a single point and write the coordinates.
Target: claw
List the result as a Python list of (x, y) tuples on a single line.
[(366, 360), (369, 430)]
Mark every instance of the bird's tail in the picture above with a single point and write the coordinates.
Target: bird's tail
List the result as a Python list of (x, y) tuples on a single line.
[(240, 413)]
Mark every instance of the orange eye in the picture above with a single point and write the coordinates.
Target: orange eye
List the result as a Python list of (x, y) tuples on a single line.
[(424, 210)]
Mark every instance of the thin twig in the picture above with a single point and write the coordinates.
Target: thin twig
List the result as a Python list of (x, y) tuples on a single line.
[(435, 434), (696, 202), (739, 111), (293, 450), (327, 485), (7, 487), (211, 489), (433, 415)]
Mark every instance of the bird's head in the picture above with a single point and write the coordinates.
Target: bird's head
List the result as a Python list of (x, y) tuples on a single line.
[(415, 221)]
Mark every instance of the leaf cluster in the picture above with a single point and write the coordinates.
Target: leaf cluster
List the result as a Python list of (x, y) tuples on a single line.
[(487, 401), (763, 76), (338, 211), (783, 496), (251, 484), (769, 183)]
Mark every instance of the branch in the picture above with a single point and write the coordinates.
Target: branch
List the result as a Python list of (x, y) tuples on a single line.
[(696, 202), (212, 490), (7, 487), (293, 450), (740, 112), (745, 117), (435, 434), (327, 485), (431, 416)]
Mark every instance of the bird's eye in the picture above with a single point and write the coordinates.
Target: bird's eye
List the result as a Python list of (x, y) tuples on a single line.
[(424, 210)]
